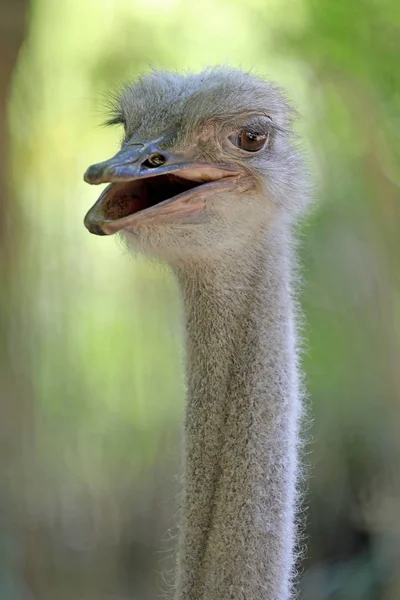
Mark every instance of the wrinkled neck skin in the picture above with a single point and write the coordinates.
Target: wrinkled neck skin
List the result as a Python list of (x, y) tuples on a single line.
[(241, 426)]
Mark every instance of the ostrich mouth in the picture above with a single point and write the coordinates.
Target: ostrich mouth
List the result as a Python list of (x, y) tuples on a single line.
[(173, 193)]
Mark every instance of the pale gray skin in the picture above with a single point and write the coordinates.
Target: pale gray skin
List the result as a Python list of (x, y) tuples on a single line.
[(235, 267)]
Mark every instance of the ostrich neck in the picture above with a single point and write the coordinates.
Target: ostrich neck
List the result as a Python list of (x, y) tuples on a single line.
[(237, 519)]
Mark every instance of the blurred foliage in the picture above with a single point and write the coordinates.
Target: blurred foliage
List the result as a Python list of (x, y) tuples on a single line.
[(91, 376)]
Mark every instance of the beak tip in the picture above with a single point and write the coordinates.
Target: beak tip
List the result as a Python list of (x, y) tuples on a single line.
[(94, 228), (93, 224), (94, 174)]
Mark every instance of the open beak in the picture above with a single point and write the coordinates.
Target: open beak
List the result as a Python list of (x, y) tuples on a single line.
[(147, 183)]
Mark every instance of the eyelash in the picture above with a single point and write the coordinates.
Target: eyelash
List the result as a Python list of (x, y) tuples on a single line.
[(115, 120)]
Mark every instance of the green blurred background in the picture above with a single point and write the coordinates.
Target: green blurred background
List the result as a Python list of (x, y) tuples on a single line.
[(90, 339)]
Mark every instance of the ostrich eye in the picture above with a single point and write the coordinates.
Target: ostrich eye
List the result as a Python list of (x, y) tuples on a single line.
[(250, 141)]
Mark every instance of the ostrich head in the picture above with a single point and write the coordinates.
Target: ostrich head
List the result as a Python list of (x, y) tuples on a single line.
[(206, 161)]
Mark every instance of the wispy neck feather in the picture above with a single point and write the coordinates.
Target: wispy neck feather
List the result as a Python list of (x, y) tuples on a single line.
[(241, 429)]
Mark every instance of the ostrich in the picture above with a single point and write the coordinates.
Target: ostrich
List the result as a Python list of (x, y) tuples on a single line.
[(209, 181)]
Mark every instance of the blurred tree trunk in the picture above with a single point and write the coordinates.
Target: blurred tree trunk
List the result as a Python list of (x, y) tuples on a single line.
[(13, 15), (12, 32)]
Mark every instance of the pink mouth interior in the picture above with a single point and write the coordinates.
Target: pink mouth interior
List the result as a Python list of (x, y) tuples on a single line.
[(130, 197)]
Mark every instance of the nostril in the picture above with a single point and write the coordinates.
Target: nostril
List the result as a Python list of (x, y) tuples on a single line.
[(155, 160)]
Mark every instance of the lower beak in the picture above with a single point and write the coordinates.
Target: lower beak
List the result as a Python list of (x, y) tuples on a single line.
[(147, 183)]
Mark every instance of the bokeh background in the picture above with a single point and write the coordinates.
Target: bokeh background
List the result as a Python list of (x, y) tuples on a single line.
[(90, 368)]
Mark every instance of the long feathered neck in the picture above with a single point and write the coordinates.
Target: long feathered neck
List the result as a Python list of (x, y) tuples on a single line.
[(241, 427)]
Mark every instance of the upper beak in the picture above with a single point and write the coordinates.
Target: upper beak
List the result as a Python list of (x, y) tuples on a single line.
[(133, 161)]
